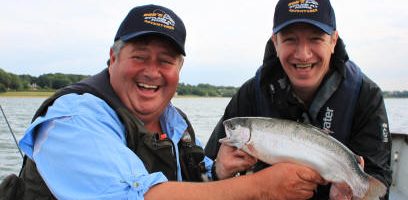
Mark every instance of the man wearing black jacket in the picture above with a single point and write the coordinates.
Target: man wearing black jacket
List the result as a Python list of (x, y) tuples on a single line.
[(306, 76)]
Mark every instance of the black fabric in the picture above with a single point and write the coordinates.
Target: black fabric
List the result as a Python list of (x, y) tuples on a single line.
[(11, 188)]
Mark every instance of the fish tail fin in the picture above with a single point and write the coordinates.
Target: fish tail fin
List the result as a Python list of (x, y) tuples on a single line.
[(375, 190)]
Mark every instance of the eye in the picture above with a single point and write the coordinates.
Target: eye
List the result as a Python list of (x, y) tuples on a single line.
[(288, 39), (167, 61), (317, 39), (139, 57), (230, 126)]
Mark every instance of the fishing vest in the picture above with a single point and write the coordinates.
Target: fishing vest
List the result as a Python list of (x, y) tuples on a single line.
[(156, 152), (332, 111)]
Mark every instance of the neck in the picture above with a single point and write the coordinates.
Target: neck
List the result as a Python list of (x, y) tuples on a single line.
[(153, 126), (306, 95)]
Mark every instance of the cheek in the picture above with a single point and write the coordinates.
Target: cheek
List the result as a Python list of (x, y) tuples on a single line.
[(172, 75), (284, 52)]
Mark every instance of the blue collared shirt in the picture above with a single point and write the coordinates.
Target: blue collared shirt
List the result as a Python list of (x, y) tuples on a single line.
[(80, 150)]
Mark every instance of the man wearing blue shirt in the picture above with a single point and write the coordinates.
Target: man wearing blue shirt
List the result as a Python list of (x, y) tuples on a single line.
[(116, 135)]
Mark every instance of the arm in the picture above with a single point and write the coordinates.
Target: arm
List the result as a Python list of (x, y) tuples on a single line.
[(80, 152), (370, 137), (280, 181)]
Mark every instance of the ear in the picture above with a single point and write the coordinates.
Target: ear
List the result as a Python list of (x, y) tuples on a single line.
[(334, 37), (112, 57), (275, 43), (181, 62)]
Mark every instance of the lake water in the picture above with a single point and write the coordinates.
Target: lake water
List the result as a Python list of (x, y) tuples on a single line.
[(203, 113)]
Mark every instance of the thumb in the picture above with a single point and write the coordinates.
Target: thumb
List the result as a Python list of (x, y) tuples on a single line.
[(310, 175)]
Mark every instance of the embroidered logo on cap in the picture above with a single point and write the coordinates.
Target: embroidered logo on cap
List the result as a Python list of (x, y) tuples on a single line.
[(159, 18), (303, 6)]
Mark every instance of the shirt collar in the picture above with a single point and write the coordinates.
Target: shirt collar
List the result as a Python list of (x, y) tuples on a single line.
[(172, 123)]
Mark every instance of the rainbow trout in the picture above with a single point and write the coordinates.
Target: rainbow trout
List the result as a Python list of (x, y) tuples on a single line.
[(275, 140)]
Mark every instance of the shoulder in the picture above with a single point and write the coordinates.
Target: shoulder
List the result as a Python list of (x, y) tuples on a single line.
[(85, 107), (242, 103), (370, 103), (247, 88), (370, 90), (79, 104)]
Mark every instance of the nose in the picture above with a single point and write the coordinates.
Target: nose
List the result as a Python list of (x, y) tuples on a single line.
[(151, 69), (303, 51)]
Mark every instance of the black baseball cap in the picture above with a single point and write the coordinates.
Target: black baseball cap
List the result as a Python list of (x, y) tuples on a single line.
[(153, 20), (319, 13)]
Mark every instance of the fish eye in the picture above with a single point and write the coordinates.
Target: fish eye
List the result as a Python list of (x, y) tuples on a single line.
[(228, 125)]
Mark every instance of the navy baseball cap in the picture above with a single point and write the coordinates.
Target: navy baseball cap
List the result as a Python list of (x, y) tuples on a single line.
[(319, 13), (153, 20)]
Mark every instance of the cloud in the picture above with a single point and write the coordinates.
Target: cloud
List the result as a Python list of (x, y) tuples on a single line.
[(225, 39)]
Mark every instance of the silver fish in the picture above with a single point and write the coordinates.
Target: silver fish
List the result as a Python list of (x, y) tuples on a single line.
[(275, 140)]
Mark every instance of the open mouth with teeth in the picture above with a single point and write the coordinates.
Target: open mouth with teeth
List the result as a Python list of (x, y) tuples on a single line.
[(304, 66), (144, 86)]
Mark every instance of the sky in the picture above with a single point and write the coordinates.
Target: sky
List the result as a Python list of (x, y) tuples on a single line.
[(225, 39)]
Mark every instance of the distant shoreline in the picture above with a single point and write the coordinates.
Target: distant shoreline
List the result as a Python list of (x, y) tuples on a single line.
[(27, 94), (49, 93)]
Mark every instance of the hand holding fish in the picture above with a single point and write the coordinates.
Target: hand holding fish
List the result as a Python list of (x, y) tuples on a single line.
[(292, 181), (231, 160)]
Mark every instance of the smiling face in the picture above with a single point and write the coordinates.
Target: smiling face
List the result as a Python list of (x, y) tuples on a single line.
[(145, 76), (304, 52)]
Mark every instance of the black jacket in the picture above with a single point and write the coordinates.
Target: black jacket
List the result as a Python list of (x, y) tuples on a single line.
[(369, 133)]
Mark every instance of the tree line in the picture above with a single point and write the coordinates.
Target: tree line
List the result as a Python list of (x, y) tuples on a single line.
[(55, 81), (13, 82), (396, 94)]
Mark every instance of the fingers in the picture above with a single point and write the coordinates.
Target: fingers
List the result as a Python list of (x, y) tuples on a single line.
[(241, 161), (361, 161), (244, 157), (230, 161), (340, 191), (310, 175), (293, 181)]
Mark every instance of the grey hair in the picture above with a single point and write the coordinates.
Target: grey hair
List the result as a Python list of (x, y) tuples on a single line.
[(117, 46)]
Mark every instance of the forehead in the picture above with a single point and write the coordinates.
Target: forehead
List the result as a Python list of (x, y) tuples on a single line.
[(301, 27), (165, 43)]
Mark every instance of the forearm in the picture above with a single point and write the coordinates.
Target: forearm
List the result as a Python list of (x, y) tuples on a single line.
[(243, 187), (280, 181)]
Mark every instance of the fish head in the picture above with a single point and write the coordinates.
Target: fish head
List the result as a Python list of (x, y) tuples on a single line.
[(237, 131)]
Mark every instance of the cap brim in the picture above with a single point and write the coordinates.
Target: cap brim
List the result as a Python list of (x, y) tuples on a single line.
[(129, 37), (328, 29)]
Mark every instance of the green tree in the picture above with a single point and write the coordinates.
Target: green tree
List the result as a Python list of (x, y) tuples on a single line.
[(5, 78)]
